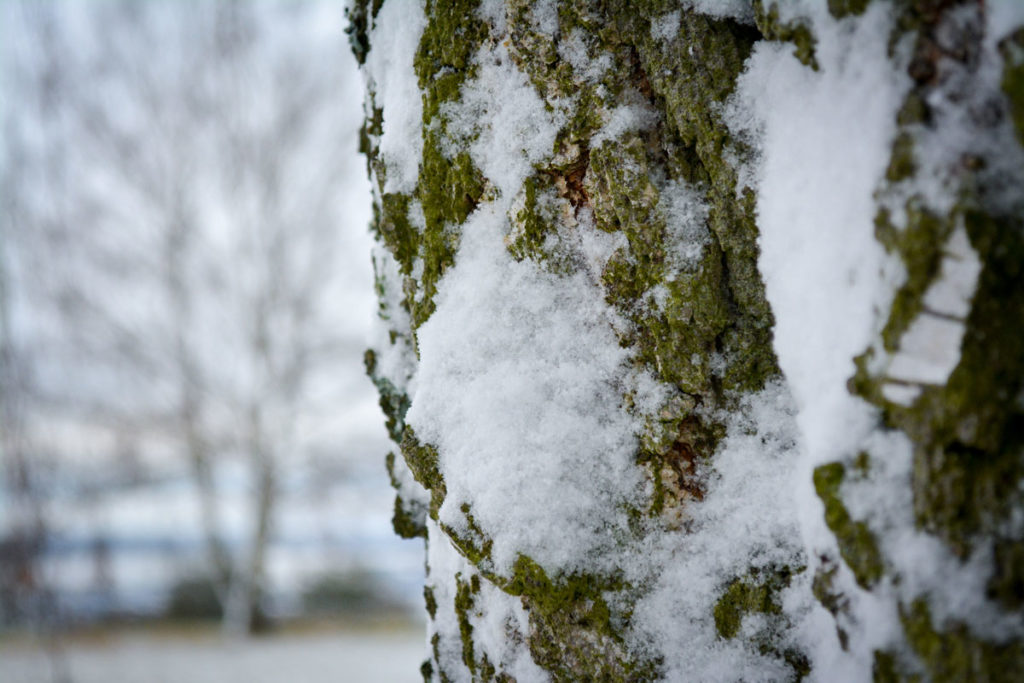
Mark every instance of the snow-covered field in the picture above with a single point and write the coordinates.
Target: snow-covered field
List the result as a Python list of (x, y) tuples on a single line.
[(335, 656)]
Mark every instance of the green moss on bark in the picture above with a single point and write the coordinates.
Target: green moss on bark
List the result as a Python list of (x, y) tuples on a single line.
[(856, 542), (825, 591), (444, 58), (954, 654), (1012, 49), (449, 188), (843, 8), (393, 403), (407, 518), (758, 592), (884, 668), (572, 633), (705, 330), (901, 164), (465, 592), (423, 461), (740, 598), (360, 15), (968, 433), (716, 309), (690, 79), (766, 14), (475, 545)]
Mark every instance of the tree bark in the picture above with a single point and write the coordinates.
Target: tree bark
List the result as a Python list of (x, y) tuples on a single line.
[(796, 502)]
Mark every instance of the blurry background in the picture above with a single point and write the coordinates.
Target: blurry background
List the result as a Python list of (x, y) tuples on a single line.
[(186, 433)]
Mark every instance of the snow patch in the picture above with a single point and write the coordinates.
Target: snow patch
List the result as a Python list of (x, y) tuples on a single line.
[(503, 121), (444, 563), (743, 522), (686, 215), (392, 80), (666, 26), (825, 139), (635, 115), (520, 388), (395, 358), (573, 49)]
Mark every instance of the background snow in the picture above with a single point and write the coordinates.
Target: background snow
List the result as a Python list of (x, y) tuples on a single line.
[(311, 658)]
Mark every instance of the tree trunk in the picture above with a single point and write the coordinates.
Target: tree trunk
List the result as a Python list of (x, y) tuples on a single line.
[(702, 334)]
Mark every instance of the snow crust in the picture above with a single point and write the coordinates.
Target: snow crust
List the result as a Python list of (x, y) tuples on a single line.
[(929, 350)]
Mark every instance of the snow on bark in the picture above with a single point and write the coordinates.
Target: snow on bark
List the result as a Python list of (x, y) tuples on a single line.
[(685, 317)]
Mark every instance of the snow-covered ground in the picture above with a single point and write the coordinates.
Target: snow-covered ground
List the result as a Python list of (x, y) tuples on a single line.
[(151, 537), (334, 656)]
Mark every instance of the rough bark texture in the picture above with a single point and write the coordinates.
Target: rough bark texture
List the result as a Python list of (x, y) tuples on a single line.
[(709, 341)]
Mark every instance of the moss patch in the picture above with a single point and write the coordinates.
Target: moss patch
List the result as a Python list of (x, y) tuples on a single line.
[(1012, 49), (825, 592), (689, 80), (766, 14), (408, 518), (843, 8), (393, 403), (759, 593), (953, 654), (360, 15), (443, 58), (572, 634), (856, 542), (475, 545), (423, 461), (465, 592)]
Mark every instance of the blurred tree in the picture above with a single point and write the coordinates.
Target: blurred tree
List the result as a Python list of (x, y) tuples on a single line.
[(173, 218), (356, 592)]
